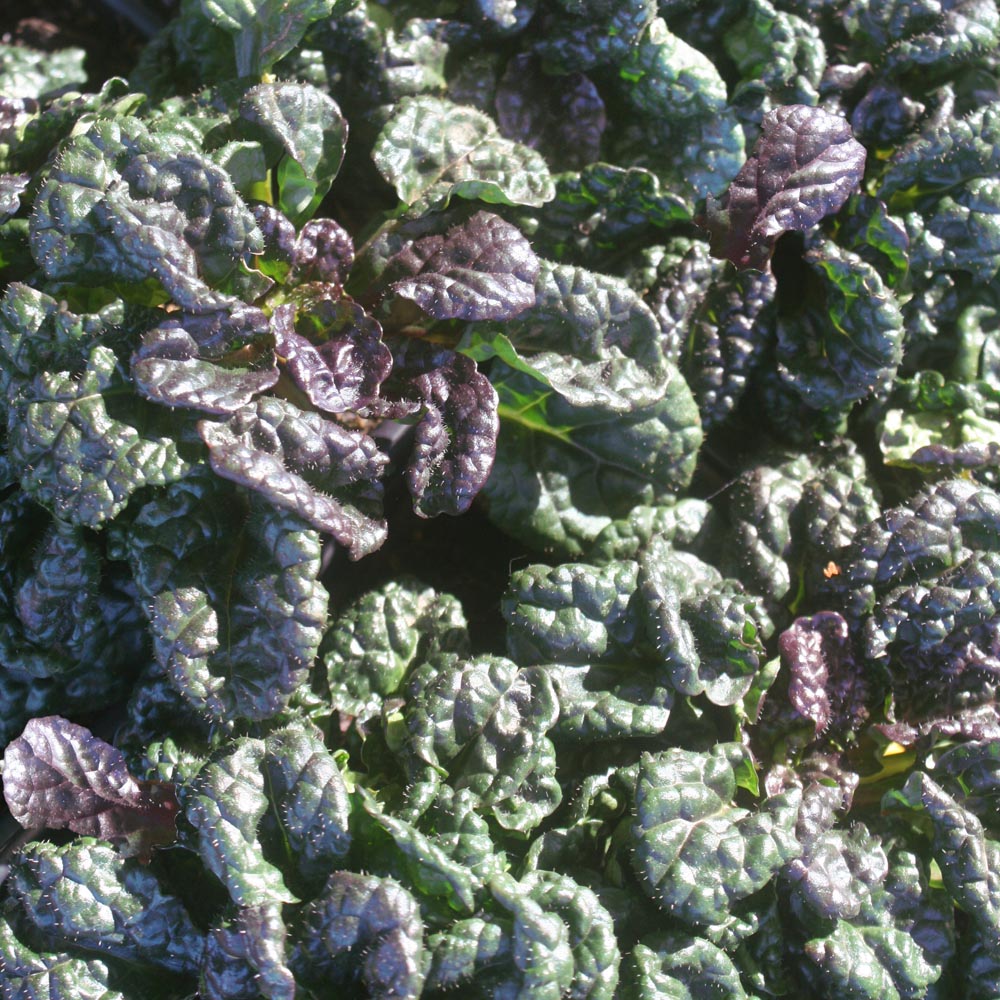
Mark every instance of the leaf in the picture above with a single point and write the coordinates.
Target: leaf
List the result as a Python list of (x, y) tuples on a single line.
[(707, 631), (563, 473), (265, 30), (339, 360), (431, 150), (85, 895), (236, 639), (456, 435), (50, 975), (247, 955), (306, 124), (58, 775), (805, 166), (374, 642), (686, 822), (126, 204), (28, 72), (484, 721), (561, 116), (583, 39), (167, 368), (675, 964), (826, 685), (363, 928), (590, 338), (482, 269), (310, 799), (225, 804), (305, 464), (573, 614), (80, 460)]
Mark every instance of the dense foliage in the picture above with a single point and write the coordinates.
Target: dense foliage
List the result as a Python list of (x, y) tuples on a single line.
[(695, 301)]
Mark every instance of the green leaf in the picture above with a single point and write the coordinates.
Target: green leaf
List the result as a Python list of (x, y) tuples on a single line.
[(80, 457), (265, 30), (672, 965), (307, 126), (696, 852), (49, 975), (363, 930), (483, 722), (431, 150), (310, 800), (563, 473), (27, 72), (235, 638), (380, 636), (85, 895), (225, 803)]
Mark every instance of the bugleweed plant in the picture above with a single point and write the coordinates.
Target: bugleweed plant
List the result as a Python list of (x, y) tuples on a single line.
[(695, 302)]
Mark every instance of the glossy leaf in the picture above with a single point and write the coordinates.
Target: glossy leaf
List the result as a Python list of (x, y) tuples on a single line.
[(58, 775), (482, 269), (304, 464), (431, 150), (805, 166)]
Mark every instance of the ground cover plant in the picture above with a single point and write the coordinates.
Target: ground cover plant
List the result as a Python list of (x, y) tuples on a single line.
[(691, 312)]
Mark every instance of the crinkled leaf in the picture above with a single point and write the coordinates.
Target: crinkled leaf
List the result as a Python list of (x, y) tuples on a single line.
[(63, 612), (456, 435), (339, 360), (396, 848), (935, 424), (79, 459), (167, 368), (235, 638), (28, 72), (306, 124), (687, 524), (484, 722), (374, 641), (561, 116), (49, 975), (310, 799), (696, 853), (306, 464), (919, 37), (826, 684), (225, 803), (58, 775), (709, 318), (673, 965), (323, 252), (482, 269), (125, 203), (804, 167), (263, 31), (85, 895), (592, 339), (12, 186), (707, 631), (583, 39), (573, 613), (563, 473), (432, 149), (363, 929), (602, 207), (246, 957)]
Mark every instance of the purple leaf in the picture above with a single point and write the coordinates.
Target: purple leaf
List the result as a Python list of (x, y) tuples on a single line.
[(58, 775), (560, 116), (826, 684), (323, 252), (456, 438), (345, 370), (167, 368), (805, 166), (482, 269)]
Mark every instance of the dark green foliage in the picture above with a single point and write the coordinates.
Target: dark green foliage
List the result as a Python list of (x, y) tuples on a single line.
[(689, 311)]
